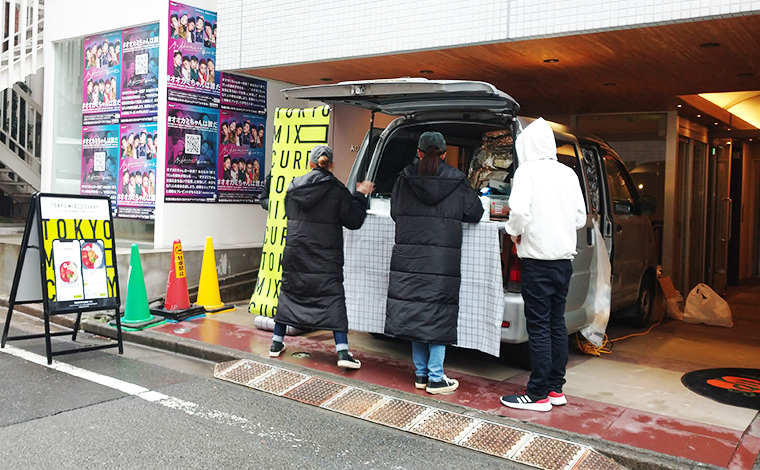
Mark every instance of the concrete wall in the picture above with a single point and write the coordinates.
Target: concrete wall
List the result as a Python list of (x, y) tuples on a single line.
[(285, 30)]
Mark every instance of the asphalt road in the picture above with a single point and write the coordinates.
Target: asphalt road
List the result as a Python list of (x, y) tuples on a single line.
[(52, 419)]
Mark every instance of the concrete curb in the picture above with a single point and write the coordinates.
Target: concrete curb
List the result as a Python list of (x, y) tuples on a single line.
[(631, 457)]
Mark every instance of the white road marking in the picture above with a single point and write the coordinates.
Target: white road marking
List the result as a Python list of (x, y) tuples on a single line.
[(152, 396)]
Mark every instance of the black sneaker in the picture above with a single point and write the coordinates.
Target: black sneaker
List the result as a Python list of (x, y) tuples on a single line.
[(420, 383), (524, 401), (276, 349), (346, 359), (446, 385)]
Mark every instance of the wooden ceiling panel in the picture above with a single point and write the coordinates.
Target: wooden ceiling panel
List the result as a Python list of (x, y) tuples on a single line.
[(649, 67)]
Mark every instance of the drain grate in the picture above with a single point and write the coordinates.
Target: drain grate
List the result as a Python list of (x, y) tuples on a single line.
[(444, 426), (222, 367), (278, 382), (315, 391), (495, 439), (244, 372), (354, 402), (397, 413), (549, 454), (595, 461), (522, 446)]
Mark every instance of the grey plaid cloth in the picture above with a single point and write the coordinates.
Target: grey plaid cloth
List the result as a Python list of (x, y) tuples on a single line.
[(481, 295)]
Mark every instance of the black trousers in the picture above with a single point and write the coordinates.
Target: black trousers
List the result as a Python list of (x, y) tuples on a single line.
[(544, 291)]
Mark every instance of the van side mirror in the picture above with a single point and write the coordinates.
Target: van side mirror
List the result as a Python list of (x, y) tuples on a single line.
[(622, 206), (648, 205)]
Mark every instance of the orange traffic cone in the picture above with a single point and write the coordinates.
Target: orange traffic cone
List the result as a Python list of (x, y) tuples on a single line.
[(177, 305), (208, 287)]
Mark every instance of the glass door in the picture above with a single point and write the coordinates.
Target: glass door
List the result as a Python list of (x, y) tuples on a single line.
[(720, 214), (691, 215)]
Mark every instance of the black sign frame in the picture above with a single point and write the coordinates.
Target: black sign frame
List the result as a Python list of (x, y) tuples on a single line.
[(31, 269)]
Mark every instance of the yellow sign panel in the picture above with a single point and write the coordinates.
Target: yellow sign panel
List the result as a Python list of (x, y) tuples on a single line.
[(296, 132), (179, 261)]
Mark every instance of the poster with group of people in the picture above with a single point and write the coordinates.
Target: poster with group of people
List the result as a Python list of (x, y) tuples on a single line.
[(216, 122), (119, 110)]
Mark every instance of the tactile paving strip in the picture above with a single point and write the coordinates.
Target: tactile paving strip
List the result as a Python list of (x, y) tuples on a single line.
[(315, 391), (278, 382), (594, 461), (522, 446), (549, 454), (244, 372), (444, 426), (354, 402), (495, 439), (397, 413)]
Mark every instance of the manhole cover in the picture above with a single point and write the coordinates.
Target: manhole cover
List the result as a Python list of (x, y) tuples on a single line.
[(301, 355)]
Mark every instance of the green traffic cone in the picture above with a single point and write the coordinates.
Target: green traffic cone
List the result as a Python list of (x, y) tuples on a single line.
[(136, 311)]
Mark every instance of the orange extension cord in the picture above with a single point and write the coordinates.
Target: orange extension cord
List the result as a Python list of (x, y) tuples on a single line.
[(606, 348)]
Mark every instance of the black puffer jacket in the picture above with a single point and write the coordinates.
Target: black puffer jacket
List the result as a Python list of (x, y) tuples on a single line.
[(423, 293), (318, 206)]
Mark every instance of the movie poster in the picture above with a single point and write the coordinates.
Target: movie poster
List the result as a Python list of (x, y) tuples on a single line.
[(191, 69), (101, 100), (241, 155), (137, 170), (139, 74), (100, 156), (191, 153)]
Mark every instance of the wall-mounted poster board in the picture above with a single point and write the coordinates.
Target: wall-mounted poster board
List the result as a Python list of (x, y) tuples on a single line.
[(67, 262)]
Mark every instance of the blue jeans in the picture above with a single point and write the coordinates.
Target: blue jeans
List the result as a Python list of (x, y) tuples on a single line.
[(340, 337), (428, 359), (544, 291)]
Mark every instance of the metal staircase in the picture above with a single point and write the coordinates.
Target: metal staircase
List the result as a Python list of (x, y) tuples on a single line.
[(20, 115)]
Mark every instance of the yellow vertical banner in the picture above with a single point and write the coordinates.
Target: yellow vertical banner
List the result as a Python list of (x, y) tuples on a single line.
[(296, 132)]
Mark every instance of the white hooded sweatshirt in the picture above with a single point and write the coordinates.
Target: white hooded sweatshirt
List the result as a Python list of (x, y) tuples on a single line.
[(546, 204)]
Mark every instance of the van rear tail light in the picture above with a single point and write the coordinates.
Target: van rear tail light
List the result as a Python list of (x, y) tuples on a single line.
[(505, 324), (514, 271)]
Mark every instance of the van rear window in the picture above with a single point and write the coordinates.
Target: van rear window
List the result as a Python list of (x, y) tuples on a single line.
[(483, 152)]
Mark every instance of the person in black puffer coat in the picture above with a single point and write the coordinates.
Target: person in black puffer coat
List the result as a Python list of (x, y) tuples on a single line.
[(318, 206), (430, 200)]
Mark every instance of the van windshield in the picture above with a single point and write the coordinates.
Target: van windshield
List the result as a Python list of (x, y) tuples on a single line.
[(483, 152)]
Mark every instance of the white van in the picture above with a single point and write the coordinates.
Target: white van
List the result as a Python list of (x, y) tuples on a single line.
[(479, 123)]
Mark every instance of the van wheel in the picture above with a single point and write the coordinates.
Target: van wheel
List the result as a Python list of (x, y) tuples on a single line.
[(642, 309), (516, 355)]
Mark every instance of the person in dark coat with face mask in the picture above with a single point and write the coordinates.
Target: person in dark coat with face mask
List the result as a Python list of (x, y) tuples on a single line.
[(430, 200), (318, 206)]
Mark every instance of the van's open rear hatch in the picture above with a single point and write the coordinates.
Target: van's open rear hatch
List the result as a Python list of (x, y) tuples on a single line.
[(407, 95)]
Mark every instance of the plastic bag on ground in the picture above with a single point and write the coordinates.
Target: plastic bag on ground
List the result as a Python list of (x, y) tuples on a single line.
[(600, 292), (704, 305)]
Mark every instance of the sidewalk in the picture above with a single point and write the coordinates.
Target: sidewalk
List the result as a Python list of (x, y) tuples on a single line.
[(632, 396)]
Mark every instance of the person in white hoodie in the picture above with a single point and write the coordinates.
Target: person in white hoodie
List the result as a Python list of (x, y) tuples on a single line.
[(546, 210)]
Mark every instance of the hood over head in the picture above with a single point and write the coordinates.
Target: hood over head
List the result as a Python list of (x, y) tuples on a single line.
[(309, 190), (536, 142), (433, 189)]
